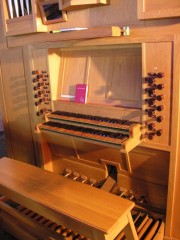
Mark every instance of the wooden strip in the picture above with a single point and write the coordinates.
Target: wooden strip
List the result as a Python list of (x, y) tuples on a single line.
[(160, 234), (108, 185), (152, 231), (145, 228)]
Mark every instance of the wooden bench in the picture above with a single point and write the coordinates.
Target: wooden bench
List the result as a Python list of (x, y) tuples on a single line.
[(91, 212)]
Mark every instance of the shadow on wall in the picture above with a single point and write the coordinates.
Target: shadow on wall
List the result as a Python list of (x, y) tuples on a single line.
[(3, 152), (1, 125)]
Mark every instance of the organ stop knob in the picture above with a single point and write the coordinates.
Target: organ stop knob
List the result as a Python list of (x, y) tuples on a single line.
[(151, 135), (159, 119), (150, 80), (151, 126), (159, 132), (156, 75), (159, 108)]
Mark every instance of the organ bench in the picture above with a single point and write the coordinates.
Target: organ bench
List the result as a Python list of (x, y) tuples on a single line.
[(91, 212)]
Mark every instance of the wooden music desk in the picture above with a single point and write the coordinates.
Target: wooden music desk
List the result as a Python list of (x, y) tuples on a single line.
[(91, 212)]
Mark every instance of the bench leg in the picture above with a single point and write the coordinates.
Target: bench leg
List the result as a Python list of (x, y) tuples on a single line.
[(130, 230)]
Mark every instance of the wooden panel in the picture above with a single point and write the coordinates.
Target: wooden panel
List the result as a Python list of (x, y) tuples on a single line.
[(40, 63), (39, 57), (150, 166), (110, 15), (108, 73), (17, 27), (149, 9), (173, 207), (35, 60), (16, 106), (54, 61), (84, 152), (111, 74), (23, 24), (139, 35), (72, 71), (90, 170), (158, 58), (154, 195), (70, 5)]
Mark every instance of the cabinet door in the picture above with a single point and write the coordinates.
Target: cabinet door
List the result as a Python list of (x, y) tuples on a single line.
[(15, 109), (151, 9)]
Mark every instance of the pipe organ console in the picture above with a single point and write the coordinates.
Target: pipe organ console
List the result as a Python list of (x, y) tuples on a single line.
[(117, 144)]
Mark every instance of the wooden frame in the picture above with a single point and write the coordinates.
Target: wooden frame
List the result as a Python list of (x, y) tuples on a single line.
[(51, 13), (152, 9), (23, 24), (71, 5)]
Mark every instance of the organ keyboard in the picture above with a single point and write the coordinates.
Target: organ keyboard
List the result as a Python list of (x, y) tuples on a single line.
[(114, 132)]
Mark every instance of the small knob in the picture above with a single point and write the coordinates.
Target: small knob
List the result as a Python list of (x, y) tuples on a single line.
[(41, 111), (159, 132), (35, 88), (150, 91), (35, 80), (150, 80), (159, 108), (34, 72), (159, 119), (150, 112), (150, 101), (41, 92), (160, 86), (156, 75), (36, 95), (42, 100), (150, 135), (151, 126), (40, 84), (160, 97), (37, 103), (160, 75)]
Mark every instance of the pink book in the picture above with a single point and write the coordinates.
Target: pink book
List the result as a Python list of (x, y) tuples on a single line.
[(81, 93)]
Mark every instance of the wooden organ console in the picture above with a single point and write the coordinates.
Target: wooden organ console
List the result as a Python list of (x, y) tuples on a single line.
[(120, 148), (112, 144)]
